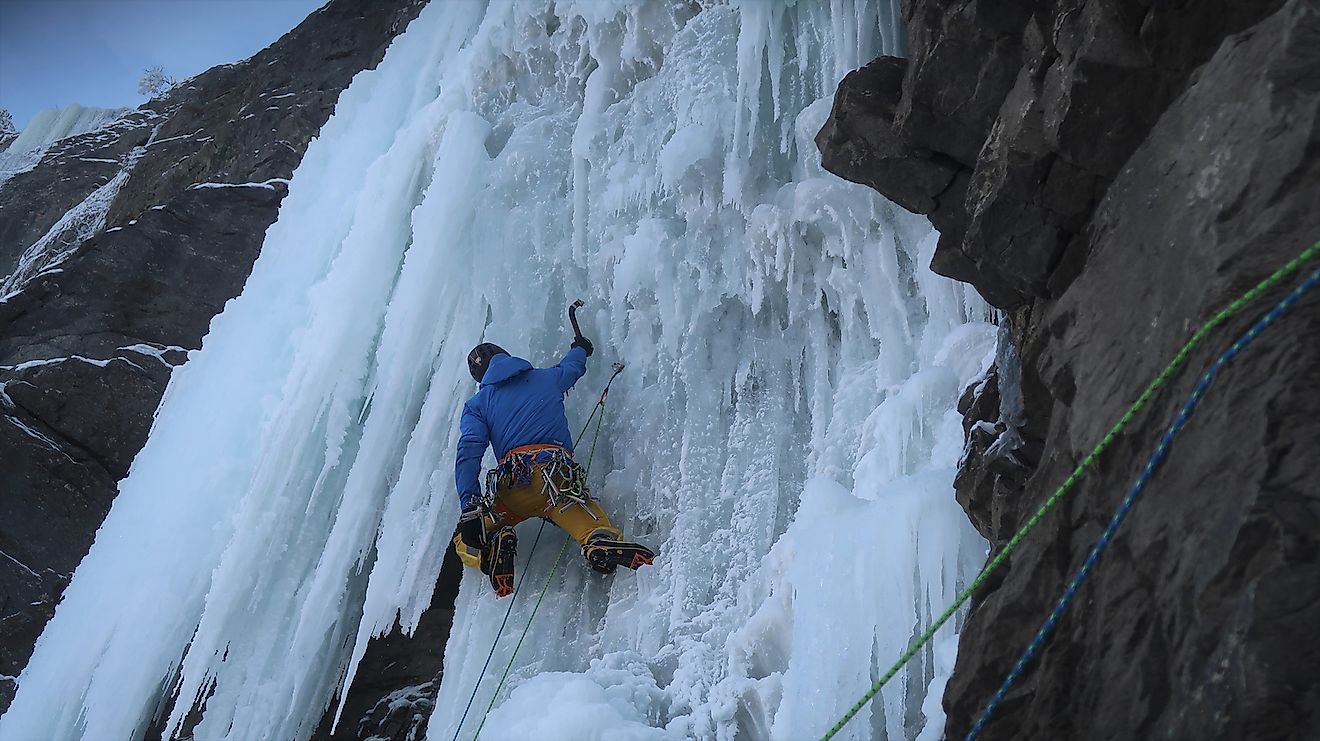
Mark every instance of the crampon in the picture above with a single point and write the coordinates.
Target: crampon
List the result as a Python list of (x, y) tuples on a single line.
[(497, 560), (605, 555)]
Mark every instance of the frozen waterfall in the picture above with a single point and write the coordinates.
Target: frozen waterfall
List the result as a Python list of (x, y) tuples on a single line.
[(784, 434)]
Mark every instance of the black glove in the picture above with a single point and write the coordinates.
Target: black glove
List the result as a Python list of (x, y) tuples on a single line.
[(583, 343), (471, 528)]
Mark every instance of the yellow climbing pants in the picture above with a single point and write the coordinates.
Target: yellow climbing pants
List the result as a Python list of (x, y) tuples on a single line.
[(514, 505)]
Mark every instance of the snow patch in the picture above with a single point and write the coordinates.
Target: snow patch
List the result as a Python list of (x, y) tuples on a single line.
[(22, 566), (153, 141), (155, 351), (27, 365), (599, 705), (10, 415), (267, 184)]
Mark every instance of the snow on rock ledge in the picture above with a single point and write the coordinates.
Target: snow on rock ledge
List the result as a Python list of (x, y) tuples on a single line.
[(48, 127)]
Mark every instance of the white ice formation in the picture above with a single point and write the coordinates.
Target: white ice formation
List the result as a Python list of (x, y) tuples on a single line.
[(784, 434), (47, 127), (66, 235)]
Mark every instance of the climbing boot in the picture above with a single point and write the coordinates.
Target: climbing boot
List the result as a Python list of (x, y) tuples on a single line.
[(497, 560), (605, 555)]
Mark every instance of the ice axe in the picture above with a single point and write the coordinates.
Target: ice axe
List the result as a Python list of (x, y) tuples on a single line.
[(577, 334), (572, 317)]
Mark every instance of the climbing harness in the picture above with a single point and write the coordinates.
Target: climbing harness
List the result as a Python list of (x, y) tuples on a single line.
[(1179, 359), (598, 416), (564, 481), (1156, 458)]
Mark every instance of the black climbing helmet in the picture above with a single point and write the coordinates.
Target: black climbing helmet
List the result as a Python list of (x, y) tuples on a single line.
[(479, 358)]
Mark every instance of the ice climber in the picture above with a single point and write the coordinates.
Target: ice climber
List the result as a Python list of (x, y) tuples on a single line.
[(519, 410)]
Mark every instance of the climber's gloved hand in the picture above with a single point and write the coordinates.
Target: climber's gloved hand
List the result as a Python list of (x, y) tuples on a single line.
[(583, 343), (471, 528)]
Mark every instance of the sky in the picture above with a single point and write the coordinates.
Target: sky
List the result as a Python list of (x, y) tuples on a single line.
[(93, 52)]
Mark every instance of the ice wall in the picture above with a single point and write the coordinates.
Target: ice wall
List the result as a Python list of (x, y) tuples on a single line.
[(784, 434)]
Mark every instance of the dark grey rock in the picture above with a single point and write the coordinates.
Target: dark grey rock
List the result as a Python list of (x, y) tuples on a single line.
[(860, 143), (1196, 625), (396, 685), (1037, 105), (1148, 163)]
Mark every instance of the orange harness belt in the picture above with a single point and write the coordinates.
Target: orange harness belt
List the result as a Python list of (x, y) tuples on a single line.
[(533, 449)]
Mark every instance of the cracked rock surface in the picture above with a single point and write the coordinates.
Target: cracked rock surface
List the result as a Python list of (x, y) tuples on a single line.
[(1122, 169)]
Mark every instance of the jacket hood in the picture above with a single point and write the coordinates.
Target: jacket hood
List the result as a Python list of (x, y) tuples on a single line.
[(502, 368)]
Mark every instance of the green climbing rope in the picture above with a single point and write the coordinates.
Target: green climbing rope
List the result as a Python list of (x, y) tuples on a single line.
[(1292, 266), (508, 667), (600, 407)]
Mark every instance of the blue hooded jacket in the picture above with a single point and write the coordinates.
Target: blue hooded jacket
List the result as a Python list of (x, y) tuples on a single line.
[(516, 405)]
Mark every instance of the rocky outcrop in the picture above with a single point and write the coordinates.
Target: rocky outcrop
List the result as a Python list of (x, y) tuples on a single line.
[(396, 685), (119, 247), (1112, 172), (1008, 120)]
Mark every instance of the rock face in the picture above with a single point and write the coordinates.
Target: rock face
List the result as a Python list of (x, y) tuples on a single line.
[(119, 247), (396, 685), (1112, 173), (20, 152)]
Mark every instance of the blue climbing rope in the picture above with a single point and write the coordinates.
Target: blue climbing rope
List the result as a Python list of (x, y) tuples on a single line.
[(1156, 458), (1083, 467)]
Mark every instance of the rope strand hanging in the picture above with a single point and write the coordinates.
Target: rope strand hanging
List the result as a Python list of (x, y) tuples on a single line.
[(597, 415), (1156, 458), (1179, 359)]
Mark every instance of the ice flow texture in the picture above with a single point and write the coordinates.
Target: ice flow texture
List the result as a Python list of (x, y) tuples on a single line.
[(784, 434)]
